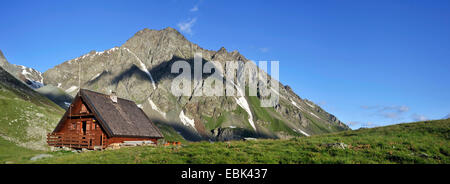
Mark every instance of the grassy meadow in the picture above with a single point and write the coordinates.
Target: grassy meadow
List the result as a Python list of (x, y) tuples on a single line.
[(410, 143)]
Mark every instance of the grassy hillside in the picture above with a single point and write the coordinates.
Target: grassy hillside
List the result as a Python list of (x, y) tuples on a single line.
[(421, 142), (11, 153), (169, 133), (25, 115)]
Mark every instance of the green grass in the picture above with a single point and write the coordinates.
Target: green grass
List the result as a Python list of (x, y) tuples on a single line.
[(26, 118), (213, 123), (315, 127), (267, 114), (421, 142), (169, 133), (11, 153)]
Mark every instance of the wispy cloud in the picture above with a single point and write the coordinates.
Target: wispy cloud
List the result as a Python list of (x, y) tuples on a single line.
[(362, 124), (264, 49), (389, 112), (186, 26), (418, 117), (194, 9), (353, 123), (448, 116)]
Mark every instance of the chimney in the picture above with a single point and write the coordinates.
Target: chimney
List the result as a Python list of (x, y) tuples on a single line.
[(113, 96)]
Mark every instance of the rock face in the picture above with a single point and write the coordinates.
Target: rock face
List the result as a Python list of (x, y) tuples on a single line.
[(140, 70), (29, 76)]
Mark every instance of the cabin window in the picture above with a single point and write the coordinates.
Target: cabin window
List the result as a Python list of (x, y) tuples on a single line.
[(83, 109), (84, 127)]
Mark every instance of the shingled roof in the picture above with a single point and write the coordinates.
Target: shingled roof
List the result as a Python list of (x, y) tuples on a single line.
[(121, 119)]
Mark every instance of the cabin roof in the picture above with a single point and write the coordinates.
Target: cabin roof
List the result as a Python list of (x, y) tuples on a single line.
[(121, 119)]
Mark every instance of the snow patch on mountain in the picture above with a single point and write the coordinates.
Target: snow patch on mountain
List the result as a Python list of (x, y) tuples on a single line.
[(32, 77), (154, 107), (24, 70), (241, 101), (71, 89), (107, 51), (312, 106), (314, 115), (301, 131), (97, 75), (295, 104), (67, 104), (143, 67), (78, 58), (186, 120), (276, 92), (93, 54)]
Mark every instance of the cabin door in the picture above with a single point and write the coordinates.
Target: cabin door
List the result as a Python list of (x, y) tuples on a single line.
[(84, 127), (101, 139)]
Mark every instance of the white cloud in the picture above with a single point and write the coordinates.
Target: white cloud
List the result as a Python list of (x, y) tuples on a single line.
[(353, 123), (264, 49), (389, 112), (186, 26), (418, 117), (448, 116), (194, 9), (403, 109), (398, 109)]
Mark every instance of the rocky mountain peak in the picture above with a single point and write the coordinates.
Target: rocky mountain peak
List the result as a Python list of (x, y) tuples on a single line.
[(167, 29), (223, 50), (1, 55), (166, 32), (29, 76), (170, 29), (3, 61), (140, 70)]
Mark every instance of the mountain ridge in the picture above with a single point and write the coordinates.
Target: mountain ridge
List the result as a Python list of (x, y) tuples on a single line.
[(139, 70), (32, 77)]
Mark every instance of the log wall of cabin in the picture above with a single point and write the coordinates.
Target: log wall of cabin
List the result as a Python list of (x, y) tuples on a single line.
[(79, 113), (73, 124)]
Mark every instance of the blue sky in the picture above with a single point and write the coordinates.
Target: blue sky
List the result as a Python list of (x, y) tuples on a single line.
[(371, 63)]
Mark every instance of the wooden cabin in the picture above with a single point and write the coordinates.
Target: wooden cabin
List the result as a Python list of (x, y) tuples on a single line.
[(95, 120)]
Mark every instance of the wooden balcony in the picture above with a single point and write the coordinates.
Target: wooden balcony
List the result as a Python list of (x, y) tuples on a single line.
[(75, 141), (78, 116)]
